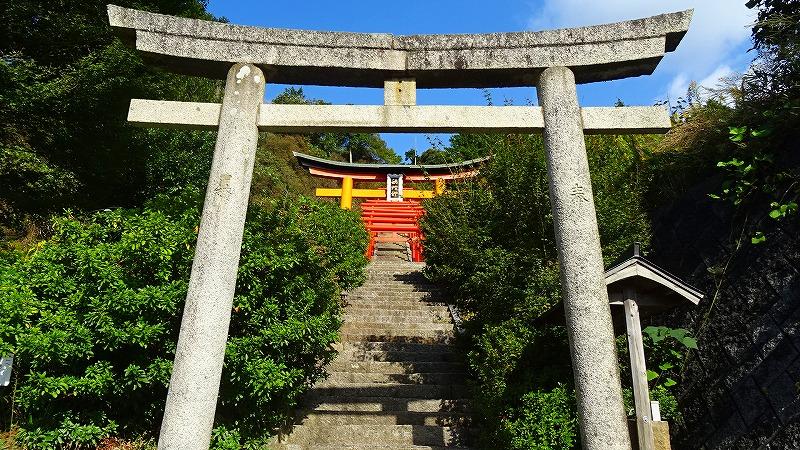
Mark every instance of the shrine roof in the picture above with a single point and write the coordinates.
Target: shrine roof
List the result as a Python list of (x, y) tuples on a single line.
[(594, 53), (313, 162), (636, 269)]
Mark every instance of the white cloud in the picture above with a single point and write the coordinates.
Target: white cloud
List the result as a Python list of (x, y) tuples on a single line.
[(712, 46), (713, 80), (677, 88), (680, 83)]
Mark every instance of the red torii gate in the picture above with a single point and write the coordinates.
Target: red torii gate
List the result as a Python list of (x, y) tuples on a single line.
[(391, 213)]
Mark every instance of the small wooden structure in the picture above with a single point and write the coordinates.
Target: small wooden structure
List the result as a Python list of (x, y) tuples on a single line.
[(636, 285)]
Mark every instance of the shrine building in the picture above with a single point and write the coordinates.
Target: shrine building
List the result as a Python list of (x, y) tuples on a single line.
[(390, 213)]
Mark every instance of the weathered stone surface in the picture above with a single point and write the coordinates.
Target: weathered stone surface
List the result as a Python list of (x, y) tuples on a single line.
[(194, 386), (594, 358), (400, 92), (661, 439), (741, 389), (594, 53), (397, 118)]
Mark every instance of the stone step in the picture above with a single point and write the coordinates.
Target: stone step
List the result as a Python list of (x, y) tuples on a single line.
[(380, 317), (383, 390), (365, 336), (409, 266), (418, 304), (392, 256), (359, 447), (425, 314), (400, 276), (395, 347), (377, 327), (380, 434), (387, 333), (396, 298), (397, 368), (357, 355), (399, 279), (327, 418), (339, 378), (381, 295), (410, 298), (396, 321), (436, 308), (386, 295), (370, 287), (388, 405)]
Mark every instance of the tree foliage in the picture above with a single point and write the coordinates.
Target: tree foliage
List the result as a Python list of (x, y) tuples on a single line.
[(776, 36), (362, 147), (65, 84), (92, 316), (743, 135)]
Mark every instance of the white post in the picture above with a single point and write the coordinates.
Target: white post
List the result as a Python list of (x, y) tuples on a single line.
[(194, 386), (601, 414), (641, 394)]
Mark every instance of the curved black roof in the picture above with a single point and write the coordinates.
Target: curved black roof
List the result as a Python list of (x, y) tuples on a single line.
[(309, 161)]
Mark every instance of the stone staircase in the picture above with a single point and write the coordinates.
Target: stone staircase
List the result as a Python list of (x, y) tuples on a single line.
[(398, 382)]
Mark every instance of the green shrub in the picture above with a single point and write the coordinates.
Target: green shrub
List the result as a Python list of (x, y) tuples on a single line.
[(546, 419), (92, 317)]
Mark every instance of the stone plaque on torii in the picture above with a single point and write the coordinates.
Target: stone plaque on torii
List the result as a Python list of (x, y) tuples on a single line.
[(248, 57)]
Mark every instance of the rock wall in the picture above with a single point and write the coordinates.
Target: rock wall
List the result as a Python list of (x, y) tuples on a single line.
[(741, 390)]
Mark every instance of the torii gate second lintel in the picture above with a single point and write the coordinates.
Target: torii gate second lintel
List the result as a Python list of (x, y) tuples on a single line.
[(553, 61)]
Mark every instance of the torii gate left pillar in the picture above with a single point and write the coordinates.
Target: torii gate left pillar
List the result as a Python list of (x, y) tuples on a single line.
[(194, 384)]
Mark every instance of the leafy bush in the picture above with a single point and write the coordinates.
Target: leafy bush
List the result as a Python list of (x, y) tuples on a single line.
[(665, 352), (545, 419), (92, 317), (490, 242)]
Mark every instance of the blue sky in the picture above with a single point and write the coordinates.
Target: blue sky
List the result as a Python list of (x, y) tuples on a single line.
[(715, 46)]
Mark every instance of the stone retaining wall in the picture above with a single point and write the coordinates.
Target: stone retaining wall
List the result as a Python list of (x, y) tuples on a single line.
[(742, 388)]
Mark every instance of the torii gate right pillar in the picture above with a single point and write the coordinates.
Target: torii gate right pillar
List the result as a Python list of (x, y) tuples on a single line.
[(589, 326)]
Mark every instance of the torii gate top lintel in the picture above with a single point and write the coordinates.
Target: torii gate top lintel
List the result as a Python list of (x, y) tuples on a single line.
[(596, 53)]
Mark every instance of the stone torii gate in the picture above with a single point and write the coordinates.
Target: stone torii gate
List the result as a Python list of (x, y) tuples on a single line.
[(553, 61)]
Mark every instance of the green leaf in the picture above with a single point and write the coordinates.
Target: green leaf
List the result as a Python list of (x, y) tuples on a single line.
[(665, 366), (651, 375), (670, 382), (678, 333), (689, 342), (737, 134), (758, 238)]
